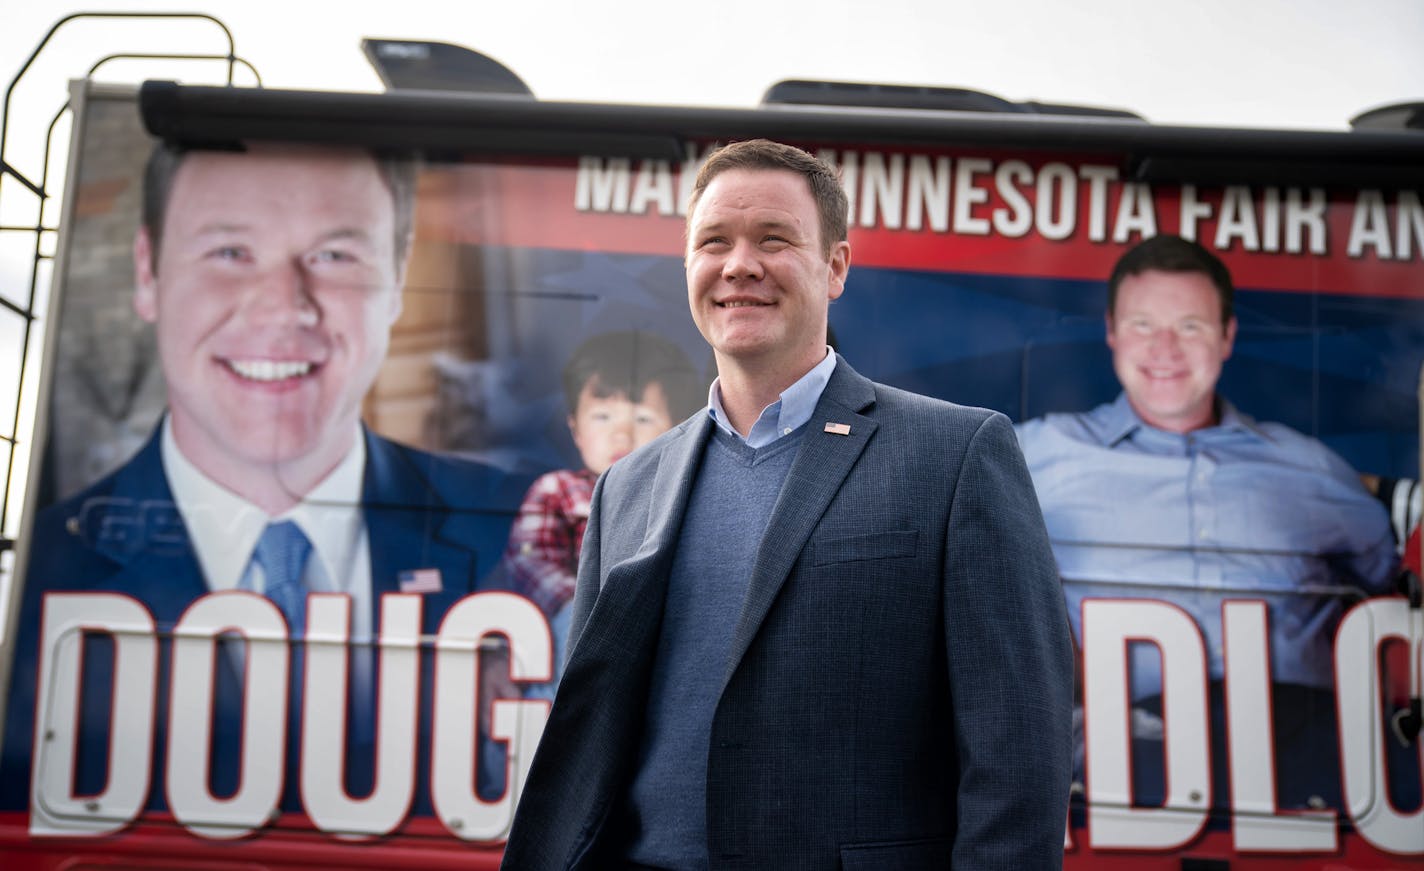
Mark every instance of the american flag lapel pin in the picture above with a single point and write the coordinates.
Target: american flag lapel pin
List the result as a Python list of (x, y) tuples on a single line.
[(420, 581), (838, 428)]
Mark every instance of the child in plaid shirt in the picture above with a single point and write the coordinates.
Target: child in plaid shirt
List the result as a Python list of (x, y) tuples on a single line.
[(624, 389)]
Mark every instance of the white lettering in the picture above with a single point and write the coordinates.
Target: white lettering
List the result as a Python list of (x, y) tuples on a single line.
[(967, 195), (1238, 220), (1302, 217), (602, 187), (1109, 626), (1193, 210), (1369, 226), (324, 726), (1271, 219), (54, 808), (264, 714), (466, 628), (1358, 702), (1059, 222), (929, 192), (244, 632), (1098, 178), (881, 188), (1136, 213), (1410, 215), (1017, 219), (652, 186), (1256, 823)]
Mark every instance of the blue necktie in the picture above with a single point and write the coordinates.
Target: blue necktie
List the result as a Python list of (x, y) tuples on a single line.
[(282, 551)]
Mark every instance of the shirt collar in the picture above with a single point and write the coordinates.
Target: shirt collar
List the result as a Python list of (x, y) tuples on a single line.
[(224, 527), (1234, 420), (785, 415), (1120, 421)]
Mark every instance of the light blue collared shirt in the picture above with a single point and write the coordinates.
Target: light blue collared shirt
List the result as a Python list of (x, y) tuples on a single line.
[(785, 415), (1238, 510)]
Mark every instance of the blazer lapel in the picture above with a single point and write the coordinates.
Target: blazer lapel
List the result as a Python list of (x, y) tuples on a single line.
[(167, 583), (824, 461), (626, 585), (137, 527), (406, 527), (672, 487), (604, 691)]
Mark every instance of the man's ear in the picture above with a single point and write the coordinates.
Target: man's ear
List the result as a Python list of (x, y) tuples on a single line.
[(840, 267), (397, 303), (1108, 325), (145, 298), (402, 272), (1230, 339)]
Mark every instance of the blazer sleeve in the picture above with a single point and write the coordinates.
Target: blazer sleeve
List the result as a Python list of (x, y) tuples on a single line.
[(1010, 663), (589, 570)]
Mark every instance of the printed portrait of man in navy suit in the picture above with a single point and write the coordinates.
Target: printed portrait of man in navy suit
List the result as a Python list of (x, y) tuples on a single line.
[(272, 277)]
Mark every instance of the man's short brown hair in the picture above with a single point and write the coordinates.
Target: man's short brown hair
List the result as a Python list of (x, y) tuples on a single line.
[(1173, 254), (763, 154)]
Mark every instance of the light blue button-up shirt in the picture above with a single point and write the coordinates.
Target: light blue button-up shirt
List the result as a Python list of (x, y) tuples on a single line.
[(786, 414), (1238, 510)]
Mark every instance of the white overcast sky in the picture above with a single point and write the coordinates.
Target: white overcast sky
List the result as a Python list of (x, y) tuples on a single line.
[(1265, 63), (1297, 63)]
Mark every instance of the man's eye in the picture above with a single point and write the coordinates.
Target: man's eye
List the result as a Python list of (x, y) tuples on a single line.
[(331, 255), (711, 242), (235, 253), (1190, 328)]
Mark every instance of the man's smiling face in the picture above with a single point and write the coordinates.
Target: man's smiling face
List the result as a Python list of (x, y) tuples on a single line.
[(1168, 343), (273, 293), (759, 277)]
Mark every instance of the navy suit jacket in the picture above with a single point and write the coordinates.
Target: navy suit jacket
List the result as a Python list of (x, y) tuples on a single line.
[(898, 695), (124, 534)]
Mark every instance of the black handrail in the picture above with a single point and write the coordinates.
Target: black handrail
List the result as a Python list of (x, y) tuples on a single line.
[(167, 56), (231, 56), (40, 189)]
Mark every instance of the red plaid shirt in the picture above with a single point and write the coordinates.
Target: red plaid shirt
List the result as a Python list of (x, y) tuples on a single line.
[(544, 541)]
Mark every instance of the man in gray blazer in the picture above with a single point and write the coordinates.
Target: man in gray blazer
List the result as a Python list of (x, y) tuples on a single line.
[(818, 624)]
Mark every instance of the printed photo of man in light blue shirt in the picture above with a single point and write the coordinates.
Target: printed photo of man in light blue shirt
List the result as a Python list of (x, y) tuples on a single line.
[(1171, 493)]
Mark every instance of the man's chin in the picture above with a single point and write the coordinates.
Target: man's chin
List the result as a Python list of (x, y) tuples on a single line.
[(264, 454)]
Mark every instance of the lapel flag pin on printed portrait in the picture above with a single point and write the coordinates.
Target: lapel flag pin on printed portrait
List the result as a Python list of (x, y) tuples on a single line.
[(838, 428), (420, 581)]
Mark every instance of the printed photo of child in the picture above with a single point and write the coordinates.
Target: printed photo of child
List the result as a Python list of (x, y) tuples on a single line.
[(624, 389)]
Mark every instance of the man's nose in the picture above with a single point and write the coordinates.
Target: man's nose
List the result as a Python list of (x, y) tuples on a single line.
[(1165, 341), (284, 294), (743, 262)]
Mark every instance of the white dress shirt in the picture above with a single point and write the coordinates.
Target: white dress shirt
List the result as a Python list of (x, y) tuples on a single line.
[(224, 529)]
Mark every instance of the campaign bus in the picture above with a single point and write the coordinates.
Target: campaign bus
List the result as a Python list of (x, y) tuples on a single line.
[(160, 713)]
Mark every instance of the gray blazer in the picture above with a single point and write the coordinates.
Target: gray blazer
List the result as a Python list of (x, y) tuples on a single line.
[(899, 690)]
